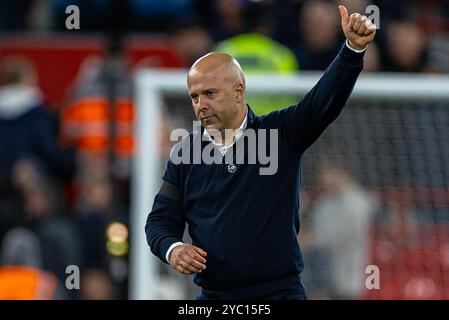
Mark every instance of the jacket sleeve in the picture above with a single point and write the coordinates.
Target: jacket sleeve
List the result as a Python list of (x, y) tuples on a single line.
[(302, 124), (165, 223)]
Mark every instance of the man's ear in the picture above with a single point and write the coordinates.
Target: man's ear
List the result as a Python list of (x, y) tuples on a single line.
[(239, 90)]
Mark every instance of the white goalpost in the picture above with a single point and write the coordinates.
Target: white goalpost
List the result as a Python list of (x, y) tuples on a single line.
[(150, 87)]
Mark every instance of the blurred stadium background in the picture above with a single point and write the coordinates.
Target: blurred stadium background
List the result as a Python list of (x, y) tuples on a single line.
[(73, 102)]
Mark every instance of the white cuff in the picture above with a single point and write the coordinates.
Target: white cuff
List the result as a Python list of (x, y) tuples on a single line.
[(355, 50), (174, 245)]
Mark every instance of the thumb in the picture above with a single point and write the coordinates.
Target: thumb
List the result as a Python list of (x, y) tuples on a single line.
[(344, 14)]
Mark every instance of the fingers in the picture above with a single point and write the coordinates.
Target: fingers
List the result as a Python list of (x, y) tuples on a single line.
[(186, 268), (360, 30), (189, 259), (196, 261), (361, 25), (200, 251), (370, 29), (352, 20), (344, 14), (180, 268), (196, 254), (190, 265)]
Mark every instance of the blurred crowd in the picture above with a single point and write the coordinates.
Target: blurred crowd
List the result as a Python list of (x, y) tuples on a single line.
[(65, 173), (64, 186), (412, 35)]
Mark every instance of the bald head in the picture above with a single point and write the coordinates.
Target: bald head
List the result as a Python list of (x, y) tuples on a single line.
[(217, 88), (218, 64)]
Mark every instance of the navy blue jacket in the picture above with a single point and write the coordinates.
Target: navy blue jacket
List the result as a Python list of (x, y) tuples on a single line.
[(247, 222)]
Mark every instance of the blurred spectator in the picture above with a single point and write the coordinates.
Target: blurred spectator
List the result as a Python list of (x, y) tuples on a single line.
[(104, 247), (320, 31), (58, 234), (94, 214), (340, 232), (25, 125), (21, 247), (229, 18), (26, 175), (88, 104), (406, 48), (258, 53), (22, 276), (96, 285), (191, 42), (254, 48), (26, 134), (98, 119)]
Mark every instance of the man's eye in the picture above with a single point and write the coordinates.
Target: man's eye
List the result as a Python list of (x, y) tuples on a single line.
[(195, 99), (211, 94)]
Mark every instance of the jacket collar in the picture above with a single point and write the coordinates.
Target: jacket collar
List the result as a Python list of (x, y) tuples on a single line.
[(251, 117)]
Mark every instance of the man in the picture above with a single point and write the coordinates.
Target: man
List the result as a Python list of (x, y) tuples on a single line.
[(340, 231), (244, 224), (27, 139)]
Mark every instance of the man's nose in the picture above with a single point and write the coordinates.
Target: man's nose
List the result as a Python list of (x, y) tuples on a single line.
[(202, 103)]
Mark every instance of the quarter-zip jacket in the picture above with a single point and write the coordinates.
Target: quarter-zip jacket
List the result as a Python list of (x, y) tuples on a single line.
[(247, 222)]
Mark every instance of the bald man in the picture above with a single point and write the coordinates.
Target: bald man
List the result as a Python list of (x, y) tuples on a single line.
[(244, 224), (219, 77)]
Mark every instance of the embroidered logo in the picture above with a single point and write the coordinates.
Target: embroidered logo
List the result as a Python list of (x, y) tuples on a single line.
[(232, 168)]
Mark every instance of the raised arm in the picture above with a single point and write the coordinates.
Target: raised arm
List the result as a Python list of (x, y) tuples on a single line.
[(303, 123)]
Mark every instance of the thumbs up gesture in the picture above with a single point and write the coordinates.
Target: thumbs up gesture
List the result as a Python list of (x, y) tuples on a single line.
[(358, 29)]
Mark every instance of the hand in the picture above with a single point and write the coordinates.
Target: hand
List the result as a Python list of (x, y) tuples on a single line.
[(188, 259), (358, 29)]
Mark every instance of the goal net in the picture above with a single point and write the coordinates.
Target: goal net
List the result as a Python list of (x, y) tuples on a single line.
[(389, 238)]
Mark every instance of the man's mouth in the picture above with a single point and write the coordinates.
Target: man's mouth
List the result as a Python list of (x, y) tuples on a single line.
[(207, 118)]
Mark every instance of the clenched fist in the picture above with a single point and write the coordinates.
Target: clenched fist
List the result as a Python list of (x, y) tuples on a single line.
[(358, 29), (188, 259)]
